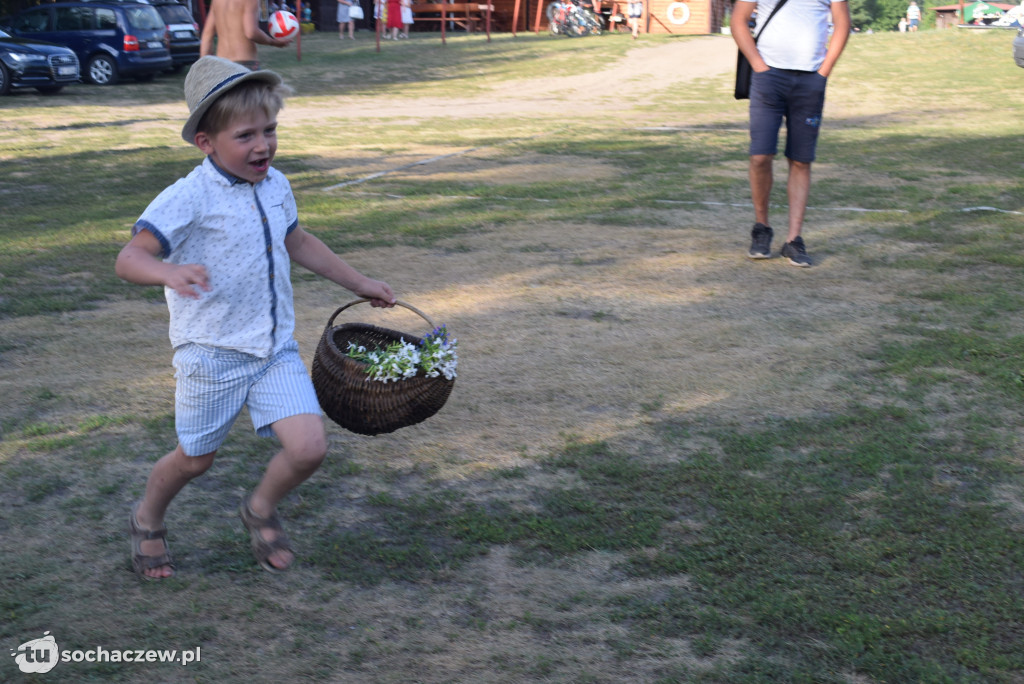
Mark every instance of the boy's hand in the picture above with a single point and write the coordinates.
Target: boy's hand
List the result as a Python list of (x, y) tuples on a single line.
[(182, 278), (378, 292), (139, 262)]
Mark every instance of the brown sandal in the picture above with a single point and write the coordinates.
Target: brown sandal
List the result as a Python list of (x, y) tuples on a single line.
[(261, 548), (140, 561)]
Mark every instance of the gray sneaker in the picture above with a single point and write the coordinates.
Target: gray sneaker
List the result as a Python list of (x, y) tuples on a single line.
[(796, 252), (760, 242)]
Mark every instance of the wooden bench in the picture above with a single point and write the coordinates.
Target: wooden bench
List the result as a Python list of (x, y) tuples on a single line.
[(464, 14)]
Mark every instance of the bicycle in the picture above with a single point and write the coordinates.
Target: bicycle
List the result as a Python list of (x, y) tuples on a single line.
[(567, 18)]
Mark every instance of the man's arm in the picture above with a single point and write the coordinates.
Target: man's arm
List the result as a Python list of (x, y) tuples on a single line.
[(252, 30), (739, 26), (840, 34), (209, 31)]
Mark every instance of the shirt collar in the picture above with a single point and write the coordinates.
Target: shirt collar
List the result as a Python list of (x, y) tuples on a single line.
[(230, 178)]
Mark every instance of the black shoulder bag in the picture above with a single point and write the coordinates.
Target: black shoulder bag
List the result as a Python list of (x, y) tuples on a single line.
[(743, 69)]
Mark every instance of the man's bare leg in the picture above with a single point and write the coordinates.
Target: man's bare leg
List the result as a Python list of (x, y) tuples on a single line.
[(798, 189), (761, 185)]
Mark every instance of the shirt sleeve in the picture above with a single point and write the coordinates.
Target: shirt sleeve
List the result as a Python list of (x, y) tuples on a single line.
[(171, 216), (291, 209)]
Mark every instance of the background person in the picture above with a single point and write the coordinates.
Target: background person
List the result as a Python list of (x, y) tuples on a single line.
[(235, 26), (791, 62), (344, 19), (913, 16), (407, 19), (394, 19), (634, 11)]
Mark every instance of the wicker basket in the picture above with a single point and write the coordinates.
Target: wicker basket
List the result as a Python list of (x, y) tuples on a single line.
[(355, 402)]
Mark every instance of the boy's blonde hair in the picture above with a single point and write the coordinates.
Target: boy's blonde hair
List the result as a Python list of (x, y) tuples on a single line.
[(242, 99)]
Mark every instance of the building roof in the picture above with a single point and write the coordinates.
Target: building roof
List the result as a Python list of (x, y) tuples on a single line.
[(952, 8)]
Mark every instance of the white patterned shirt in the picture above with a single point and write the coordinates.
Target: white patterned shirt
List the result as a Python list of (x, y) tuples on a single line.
[(237, 231)]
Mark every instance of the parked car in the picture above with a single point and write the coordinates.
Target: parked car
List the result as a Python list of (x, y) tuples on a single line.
[(111, 39), (1018, 47), (182, 30), (35, 64)]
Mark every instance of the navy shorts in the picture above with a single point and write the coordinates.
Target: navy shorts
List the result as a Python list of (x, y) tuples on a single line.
[(797, 96)]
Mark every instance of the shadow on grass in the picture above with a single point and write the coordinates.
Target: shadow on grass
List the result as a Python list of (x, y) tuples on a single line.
[(862, 542)]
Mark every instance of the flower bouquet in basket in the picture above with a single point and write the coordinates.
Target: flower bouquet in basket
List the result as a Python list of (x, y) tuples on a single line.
[(434, 356), (373, 380)]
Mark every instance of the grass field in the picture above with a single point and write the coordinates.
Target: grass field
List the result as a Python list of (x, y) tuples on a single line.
[(661, 462)]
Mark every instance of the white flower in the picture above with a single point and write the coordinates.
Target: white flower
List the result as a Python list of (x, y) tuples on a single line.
[(399, 360)]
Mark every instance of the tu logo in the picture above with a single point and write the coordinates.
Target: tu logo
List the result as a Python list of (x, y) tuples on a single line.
[(38, 655)]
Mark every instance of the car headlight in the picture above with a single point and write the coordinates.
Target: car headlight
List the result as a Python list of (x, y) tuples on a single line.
[(27, 57)]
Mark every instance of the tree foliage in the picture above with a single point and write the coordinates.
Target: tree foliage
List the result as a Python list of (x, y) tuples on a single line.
[(882, 15)]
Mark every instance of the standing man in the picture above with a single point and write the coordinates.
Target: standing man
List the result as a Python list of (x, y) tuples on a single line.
[(235, 25), (791, 63), (913, 16)]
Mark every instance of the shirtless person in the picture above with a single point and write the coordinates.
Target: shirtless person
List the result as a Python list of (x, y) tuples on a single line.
[(234, 24)]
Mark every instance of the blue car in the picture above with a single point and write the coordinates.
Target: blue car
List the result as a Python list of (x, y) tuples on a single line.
[(33, 64), (112, 39), (182, 31)]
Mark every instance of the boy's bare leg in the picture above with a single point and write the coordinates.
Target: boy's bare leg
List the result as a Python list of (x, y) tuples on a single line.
[(303, 447), (172, 472)]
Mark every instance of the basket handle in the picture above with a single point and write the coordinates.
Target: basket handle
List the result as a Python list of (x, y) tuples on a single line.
[(399, 302)]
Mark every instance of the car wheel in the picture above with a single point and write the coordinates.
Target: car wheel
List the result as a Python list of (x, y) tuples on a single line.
[(50, 90), (102, 70), (5, 80)]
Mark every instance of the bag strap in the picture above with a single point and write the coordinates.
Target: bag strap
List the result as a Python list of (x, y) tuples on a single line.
[(765, 24)]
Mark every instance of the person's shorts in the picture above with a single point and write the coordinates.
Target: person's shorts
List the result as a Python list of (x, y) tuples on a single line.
[(915, 22), (213, 384), (797, 96)]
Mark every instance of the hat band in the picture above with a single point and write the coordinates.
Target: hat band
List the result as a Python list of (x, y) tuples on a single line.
[(220, 85)]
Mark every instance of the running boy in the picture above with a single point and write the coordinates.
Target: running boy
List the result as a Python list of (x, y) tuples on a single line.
[(219, 241)]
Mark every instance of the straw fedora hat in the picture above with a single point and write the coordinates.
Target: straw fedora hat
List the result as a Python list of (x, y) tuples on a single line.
[(208, 79)]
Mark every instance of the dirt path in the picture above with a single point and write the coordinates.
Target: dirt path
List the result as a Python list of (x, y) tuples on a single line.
[(583, 329), (645, 73)]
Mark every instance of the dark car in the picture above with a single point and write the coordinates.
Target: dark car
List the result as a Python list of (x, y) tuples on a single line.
[(35, 64), (182, 30), (111, 39)]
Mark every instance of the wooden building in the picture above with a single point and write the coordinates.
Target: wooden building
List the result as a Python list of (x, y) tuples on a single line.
[(681, 17), (948, 16), (684, 18)]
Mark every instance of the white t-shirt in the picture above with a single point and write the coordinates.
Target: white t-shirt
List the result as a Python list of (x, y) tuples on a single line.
[(797, 36), (913, 12)]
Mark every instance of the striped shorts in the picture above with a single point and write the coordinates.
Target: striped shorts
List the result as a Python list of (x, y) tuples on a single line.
[(213, 384)]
